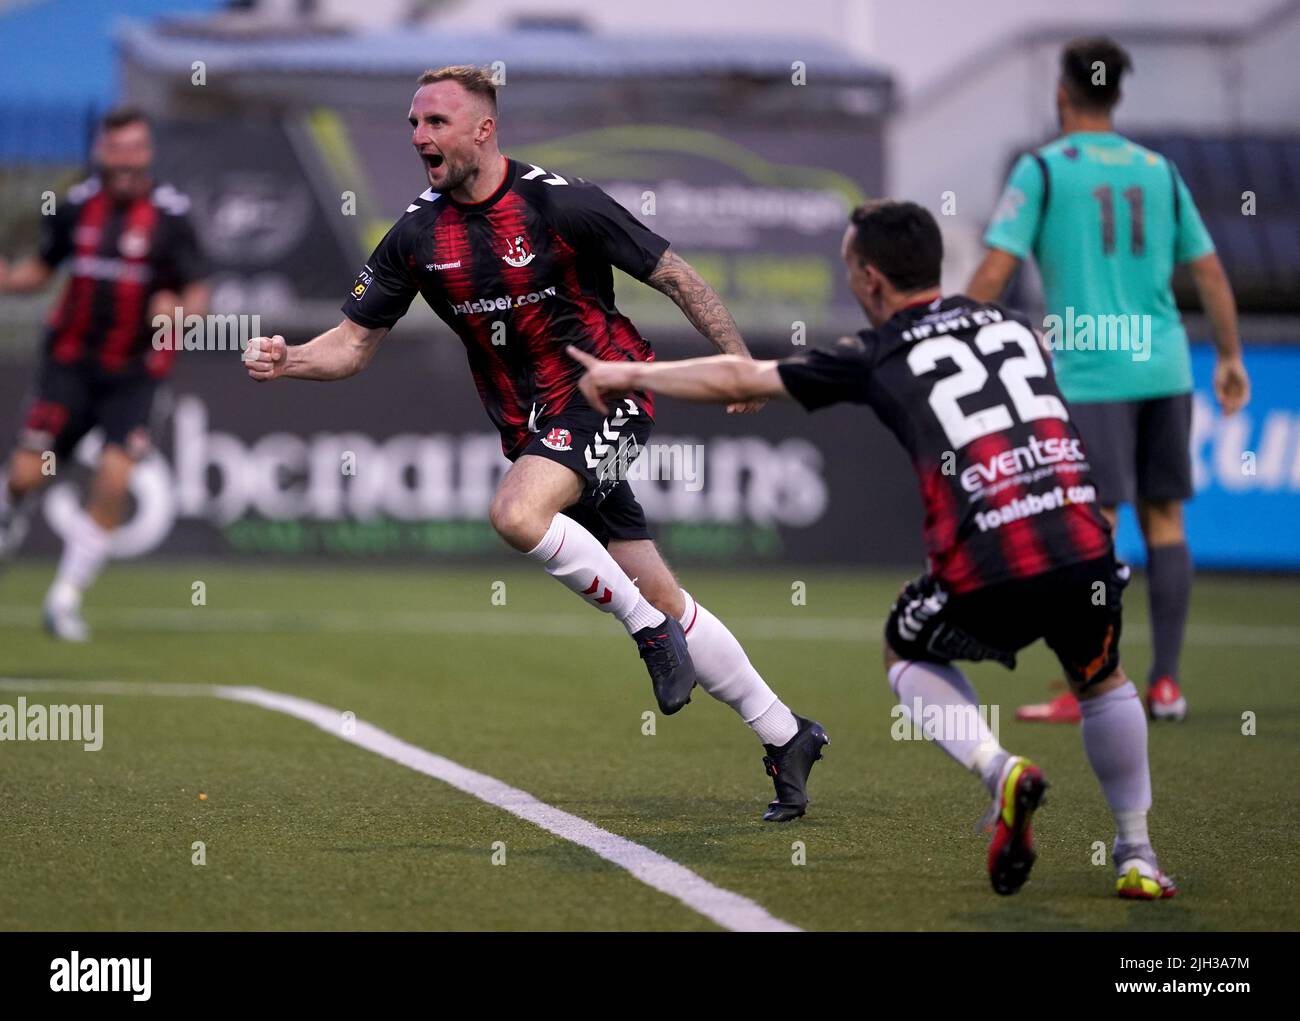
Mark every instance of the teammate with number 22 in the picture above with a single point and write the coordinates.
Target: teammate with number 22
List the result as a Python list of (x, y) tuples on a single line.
[(1018, 549), (517, 261)]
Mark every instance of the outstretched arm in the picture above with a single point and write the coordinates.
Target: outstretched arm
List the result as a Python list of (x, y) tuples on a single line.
[(721, 379), (336, 354), (699, 302)]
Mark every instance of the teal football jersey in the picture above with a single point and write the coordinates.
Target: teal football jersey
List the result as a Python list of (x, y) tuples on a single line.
[(1106, 221)]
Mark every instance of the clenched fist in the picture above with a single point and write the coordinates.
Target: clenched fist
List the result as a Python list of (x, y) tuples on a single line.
[(266, 357)]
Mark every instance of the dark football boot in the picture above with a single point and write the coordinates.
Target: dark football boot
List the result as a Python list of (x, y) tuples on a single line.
[(789, 766), (663, 647)]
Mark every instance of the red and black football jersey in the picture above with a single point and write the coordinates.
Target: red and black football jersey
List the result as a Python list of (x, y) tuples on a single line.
[(120, 256), (517, 277), (967, 390)]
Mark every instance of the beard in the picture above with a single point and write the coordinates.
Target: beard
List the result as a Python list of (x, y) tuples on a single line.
[(453, 175)]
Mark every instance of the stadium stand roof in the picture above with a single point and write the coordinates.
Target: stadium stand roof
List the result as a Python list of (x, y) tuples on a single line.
[(537, 51)]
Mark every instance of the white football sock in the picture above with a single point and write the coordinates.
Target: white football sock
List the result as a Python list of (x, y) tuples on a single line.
[(776, 726), (85, 549), (945, 690), (724, 671), (1115, 741), (575, 557)]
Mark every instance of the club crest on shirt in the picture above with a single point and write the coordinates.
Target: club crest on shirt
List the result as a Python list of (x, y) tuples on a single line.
[(558, 439), (133, 244), (519, 252)]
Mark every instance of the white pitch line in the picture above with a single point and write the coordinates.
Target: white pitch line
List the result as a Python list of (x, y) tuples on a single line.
[(198, 619), (727, 909), (409, 622)]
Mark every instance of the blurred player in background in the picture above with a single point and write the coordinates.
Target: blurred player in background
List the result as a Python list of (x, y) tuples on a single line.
[(133, 255), (1107, 221), (1017, 548), (518, 261)]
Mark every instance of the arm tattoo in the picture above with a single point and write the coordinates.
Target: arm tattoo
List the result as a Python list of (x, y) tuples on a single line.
[(675, 277)]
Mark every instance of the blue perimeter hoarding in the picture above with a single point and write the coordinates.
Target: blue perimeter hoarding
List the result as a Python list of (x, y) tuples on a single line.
[(1246, 512)]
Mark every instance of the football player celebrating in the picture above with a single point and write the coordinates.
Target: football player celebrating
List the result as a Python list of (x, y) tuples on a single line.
[(1018, 549), (518, 260)]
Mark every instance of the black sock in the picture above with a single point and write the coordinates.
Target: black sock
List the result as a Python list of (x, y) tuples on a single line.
[(1169, 584)]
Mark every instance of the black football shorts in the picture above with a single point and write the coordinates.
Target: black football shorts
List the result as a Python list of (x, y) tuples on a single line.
[(600, 449), (69, 401), (1076, 609)]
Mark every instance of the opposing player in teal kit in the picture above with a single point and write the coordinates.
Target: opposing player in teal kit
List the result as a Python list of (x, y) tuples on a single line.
[(1107, 221)]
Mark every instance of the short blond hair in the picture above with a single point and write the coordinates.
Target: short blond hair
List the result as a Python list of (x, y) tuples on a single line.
[(478, 80)]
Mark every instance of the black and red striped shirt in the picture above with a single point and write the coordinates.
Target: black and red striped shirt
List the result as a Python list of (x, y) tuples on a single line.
[(121, 254), (517, 277), (965, 387)]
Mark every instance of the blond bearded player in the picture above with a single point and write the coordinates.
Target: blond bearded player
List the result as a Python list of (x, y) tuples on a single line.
[(494, 243)]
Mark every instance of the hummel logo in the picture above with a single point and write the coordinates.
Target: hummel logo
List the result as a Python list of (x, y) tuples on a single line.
[(609, 433), (443, 265), (601, 599)]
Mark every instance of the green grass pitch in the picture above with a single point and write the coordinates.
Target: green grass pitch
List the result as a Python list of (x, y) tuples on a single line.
[(304, 831)]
